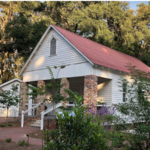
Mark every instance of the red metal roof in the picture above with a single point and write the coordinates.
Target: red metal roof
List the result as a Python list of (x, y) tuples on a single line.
[(100, 54)]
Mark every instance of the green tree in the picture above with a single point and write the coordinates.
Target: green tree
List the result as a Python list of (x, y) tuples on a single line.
[(9, 98), (136, 109), (53, 87), (21, 28), (112, 24)]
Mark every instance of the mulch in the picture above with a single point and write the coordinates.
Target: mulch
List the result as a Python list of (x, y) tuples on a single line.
[(37, 134), (14, 146)]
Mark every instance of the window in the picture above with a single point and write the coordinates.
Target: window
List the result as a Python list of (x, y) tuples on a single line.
[(124, 86), (53, 46)]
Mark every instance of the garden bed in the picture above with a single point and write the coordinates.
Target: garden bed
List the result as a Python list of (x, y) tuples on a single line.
[(14, 146), (10, 124), (37, 134)]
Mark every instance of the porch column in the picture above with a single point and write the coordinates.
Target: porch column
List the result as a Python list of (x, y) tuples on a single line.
[(23, 91), (40, 98), (90, 90), (66, 85)]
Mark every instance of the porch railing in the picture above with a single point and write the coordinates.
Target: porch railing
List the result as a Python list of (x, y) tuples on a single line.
[(23, 112), (43, 113)]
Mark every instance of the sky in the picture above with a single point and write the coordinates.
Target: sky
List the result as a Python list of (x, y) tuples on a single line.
[(134, 3)]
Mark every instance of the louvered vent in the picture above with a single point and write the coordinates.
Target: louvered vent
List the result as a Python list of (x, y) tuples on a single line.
[(53, 47)]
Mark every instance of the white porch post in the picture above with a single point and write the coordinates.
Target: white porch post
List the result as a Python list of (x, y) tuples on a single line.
[(22, 118), (42, 120), (29, 102)]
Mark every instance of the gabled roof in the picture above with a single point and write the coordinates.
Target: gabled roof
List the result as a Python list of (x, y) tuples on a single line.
[(8, 82), (94, 52)]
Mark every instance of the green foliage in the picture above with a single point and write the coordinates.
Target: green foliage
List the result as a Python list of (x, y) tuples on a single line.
[(9, 98), (27, 144), (54, 86), (3, 125), (75, 132), (136, 109), (21, 143), (10, 125), (112, 24), (8, 140)]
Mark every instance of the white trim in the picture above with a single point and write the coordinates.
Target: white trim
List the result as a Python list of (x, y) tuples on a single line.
[(39, 43), (8, 82)]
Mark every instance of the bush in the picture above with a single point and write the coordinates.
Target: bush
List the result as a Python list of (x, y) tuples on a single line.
[(8, 140), (10, 125), (135, 110), (22, 143), (76, 132), (27, 144), (2, 125)]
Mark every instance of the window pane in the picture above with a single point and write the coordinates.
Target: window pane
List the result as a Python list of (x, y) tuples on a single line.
[(53, 47)]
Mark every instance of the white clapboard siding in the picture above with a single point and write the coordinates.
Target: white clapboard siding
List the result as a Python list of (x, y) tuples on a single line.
[(105, 92), (65, 54), (114, 75), (116, 89)]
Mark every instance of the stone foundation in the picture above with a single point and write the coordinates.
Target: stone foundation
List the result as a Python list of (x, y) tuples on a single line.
[(90, 90)]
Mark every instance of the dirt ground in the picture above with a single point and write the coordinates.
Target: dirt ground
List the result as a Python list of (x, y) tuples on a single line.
[(14, 124), (37, 134), (14, 146)]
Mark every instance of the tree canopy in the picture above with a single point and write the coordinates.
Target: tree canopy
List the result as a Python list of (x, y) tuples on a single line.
[(112, 24)]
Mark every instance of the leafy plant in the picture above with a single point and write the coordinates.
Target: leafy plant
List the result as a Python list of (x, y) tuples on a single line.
[(136, 109), (2, 125), (8, 140), (10, 125), (21, 143), (27, 144), (76, 131), (54, 86), (9, 98)]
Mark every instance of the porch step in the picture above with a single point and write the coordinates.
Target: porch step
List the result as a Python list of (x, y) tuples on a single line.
[(36, 123)]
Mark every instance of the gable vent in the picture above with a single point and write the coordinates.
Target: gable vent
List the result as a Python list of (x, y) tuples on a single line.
[(53, 47)]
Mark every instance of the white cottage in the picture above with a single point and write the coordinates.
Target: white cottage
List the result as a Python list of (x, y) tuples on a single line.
[(13, 110), (91, 69)]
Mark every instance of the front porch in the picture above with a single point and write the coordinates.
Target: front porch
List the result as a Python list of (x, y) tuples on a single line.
[(95, 90)]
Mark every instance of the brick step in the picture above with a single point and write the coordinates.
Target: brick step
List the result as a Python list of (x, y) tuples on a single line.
[(36, 123)]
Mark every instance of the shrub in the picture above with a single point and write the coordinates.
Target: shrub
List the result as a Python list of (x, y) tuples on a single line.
[(10, 125), (8, 140), (2, 125), (27, 144), (76, 132), (22, 143), (136, 109)]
